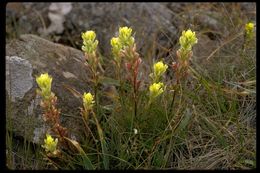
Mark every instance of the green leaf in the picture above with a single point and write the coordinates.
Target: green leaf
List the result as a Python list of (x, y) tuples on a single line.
[(103, 146)]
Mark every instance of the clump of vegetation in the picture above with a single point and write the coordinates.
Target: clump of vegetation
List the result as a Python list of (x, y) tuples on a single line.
[(184, 112), (142, 130)]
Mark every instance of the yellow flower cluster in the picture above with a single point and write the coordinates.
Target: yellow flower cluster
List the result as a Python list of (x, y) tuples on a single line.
[(125, 36), (159, 68), (50, 144), (249, 29), (116, 47), (44, 82), (124, 39), (88, 101), (89, 42), (187, 40), (156, 89)]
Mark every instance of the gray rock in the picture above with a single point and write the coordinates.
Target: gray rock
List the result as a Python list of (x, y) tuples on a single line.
[(57, 12), (155, 26), (19, 76), (28, 57), (146, 19)]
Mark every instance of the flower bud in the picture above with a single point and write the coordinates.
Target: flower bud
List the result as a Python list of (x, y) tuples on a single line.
[(159, 68), (187, 40), (125, 36), (156, 89), (89, 42), (50, 144), (135, 131), (88, 101), (44, 82), (116, 48), (249, 30)]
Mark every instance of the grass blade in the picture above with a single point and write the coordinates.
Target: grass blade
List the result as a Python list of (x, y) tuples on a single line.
[(86, 161)]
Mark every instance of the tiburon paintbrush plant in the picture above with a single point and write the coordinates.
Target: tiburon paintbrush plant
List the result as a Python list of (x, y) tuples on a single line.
[(127, 63)]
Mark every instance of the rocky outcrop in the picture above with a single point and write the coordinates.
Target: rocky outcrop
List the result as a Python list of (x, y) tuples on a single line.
[(28, 57), (149, 21)]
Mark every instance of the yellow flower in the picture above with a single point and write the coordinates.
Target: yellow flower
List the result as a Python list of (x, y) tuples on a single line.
[(159, 68), (125, 37), (114, 42), (187, 40), (116, 46), (156, 89), (125, 31), (89, 35), (89, 42), (249, 29), (50, 144), (88, 101), (44, 82)]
